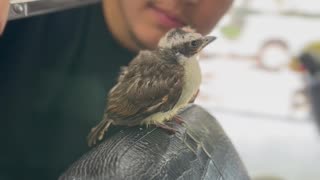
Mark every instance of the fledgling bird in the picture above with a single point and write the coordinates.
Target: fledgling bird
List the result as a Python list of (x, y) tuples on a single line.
[(156, 84)]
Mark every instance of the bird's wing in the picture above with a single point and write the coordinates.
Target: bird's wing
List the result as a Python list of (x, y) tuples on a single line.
[(145, 88), (123, 72)]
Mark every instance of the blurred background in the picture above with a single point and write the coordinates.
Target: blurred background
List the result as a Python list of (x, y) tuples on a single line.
[(257, 86)]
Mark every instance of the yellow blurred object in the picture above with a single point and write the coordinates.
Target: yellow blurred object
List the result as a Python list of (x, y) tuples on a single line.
[(312, 48), (295, 65)]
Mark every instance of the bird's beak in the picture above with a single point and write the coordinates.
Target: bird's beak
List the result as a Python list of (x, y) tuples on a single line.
[(207, 40)]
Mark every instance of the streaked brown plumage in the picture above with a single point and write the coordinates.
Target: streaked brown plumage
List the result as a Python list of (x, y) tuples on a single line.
[(146, 87), (154, 87)]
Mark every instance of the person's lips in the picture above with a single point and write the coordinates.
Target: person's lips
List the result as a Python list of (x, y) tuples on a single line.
[(166, 19)]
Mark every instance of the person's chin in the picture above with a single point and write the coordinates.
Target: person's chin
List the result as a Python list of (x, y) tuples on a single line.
[(149, 43), (149, 39)]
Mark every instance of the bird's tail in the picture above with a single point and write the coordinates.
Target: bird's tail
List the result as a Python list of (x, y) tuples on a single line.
[(98, 131)]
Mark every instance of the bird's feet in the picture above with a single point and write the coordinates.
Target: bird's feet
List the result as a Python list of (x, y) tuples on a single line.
[(97, 133), (178, 119), (169, 129)]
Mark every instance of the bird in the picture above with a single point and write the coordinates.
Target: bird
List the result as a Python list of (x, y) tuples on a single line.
[(156, 84)]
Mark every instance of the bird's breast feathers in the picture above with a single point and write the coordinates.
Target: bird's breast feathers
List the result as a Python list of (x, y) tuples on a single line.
[(192, 81)]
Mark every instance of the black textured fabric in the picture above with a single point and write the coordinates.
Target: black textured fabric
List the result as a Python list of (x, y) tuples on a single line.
[(200, 150), (55, 71)]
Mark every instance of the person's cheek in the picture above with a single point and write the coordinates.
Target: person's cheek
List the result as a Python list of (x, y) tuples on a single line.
[(205, 24), (143, 26), (148, 35), (208, 15)]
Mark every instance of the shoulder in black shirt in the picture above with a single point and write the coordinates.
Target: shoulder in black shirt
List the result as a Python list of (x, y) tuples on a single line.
[(55, 70)]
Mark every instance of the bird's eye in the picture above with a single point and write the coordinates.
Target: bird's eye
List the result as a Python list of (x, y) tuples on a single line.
[(194, 43)]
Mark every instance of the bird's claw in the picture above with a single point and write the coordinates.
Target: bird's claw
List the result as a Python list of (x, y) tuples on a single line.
[(178, 119), (167, 128)]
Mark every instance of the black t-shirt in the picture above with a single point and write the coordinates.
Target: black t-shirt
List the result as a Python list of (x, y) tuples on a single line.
[(55, 72)]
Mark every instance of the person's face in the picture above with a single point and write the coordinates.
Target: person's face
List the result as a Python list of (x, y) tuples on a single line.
[(139, 24)]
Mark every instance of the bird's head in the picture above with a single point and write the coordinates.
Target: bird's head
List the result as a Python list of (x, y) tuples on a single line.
[(184, 41)]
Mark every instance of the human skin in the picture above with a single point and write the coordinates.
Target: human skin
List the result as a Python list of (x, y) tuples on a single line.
[(4, 10), (139, 24)]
